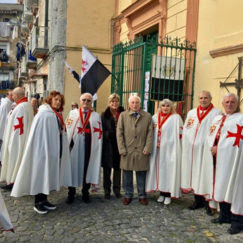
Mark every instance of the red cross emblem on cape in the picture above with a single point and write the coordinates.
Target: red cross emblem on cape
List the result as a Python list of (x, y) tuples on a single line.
[(98, 130), (238, 136), (20, 126)]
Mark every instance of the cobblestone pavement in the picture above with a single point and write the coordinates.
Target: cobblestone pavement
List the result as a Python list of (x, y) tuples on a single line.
[(110, 221)]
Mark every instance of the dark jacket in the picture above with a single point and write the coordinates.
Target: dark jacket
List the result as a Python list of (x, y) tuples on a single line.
[(110, 154)]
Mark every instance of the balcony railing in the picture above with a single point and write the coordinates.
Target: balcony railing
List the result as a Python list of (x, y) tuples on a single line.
[(3, 56), (23, 69), (39, 42), (31, 62), (7, 84)]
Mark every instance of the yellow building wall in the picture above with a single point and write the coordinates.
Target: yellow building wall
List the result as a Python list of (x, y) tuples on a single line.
[(176, 18), (123, 4), (217, 30), (88, 23)]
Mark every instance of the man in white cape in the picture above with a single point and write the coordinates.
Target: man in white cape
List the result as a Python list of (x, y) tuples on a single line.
[(223, 165), (5, 108), (5, 223), (85, 138), (15, 136), (195, 129), (46, 162)]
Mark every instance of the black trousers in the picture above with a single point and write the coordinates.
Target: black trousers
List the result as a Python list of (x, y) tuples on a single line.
[(200, 199), (165, 194), (225, 214), (39, 198), (107, 180), (86, 186)]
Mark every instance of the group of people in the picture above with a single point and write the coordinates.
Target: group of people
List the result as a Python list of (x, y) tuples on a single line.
[(203, 156)]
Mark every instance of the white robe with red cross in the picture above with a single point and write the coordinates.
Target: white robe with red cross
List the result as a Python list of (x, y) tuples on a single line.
[(225, 180), (42, 170), (5, 223), (193, 139), (14, 140), (5, 107), (76, 136), (165, 160)]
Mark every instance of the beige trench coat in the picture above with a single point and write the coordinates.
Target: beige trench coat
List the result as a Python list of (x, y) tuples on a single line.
[(135, 135)]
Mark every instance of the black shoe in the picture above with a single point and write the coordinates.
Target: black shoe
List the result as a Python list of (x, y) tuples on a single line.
[(70, 200), (39, 208), (86, 199), (107, 196), (234, 231), (221, 221), (118, 195), (8, 187), (48, 206), (196, 205)]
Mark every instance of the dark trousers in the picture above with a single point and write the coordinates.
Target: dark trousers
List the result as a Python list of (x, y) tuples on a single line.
[(86, 186), (107, 180), (199, 199), (165, 194), (128, 183), (39, 198)]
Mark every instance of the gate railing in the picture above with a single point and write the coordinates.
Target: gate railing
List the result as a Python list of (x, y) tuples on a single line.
[(155, 70)]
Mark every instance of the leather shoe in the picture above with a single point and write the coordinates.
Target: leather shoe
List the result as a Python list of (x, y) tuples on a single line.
[(143, 201), (70, 200), (126, 201), (86, 199), (234, 231), (221, 221), (8, 187), (118, 195), (196, 205)]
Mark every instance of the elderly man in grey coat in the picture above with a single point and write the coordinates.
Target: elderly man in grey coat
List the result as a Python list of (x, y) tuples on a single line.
[(135, 140)]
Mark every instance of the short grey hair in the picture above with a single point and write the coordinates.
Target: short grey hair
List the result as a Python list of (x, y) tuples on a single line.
[(134, 95), (229, 95), (91, 96), (164, 102)]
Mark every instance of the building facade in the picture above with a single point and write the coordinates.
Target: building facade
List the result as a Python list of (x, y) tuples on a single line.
[(9, 35)]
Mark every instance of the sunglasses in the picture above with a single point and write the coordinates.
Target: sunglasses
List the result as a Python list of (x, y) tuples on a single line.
[(86, 100)]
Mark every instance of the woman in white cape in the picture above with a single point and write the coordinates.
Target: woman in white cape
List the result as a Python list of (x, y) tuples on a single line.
[(46, 162), (165, 160)]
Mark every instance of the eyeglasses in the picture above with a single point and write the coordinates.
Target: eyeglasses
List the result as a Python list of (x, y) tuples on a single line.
[(86, 100)]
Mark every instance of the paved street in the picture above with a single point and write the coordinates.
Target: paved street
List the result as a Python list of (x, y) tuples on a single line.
[(110, 221)]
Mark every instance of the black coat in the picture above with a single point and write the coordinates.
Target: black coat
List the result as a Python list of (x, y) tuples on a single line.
[(110, 154)]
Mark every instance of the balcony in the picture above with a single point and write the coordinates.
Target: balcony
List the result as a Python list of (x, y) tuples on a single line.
[(39, 42), (7, 84), (31, 62), (23, 69), (27, 14), (3, 56)]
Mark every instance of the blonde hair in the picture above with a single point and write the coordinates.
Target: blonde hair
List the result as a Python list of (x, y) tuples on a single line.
[(113, 96), (165, 102)]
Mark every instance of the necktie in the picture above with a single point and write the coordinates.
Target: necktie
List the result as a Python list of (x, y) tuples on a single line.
[(136, 114)]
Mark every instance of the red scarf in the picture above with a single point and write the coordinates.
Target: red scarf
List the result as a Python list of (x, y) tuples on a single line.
[(161, 122), (202, 116), (59, 115), (84, 123), (22, 101)]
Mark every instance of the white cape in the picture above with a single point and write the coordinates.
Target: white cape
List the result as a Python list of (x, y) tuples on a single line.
[(14, 140), (5, 223), (5, 107), (165, 162), (41, 169), (227, 183), (193, 140), (77, 153)]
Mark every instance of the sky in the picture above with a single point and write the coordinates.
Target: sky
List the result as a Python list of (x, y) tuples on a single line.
[(8, 1)]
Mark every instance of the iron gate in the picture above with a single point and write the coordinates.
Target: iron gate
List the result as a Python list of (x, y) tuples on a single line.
[(155, 70)]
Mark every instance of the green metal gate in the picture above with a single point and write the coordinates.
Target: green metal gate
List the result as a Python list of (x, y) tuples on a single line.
[(155, 70)]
